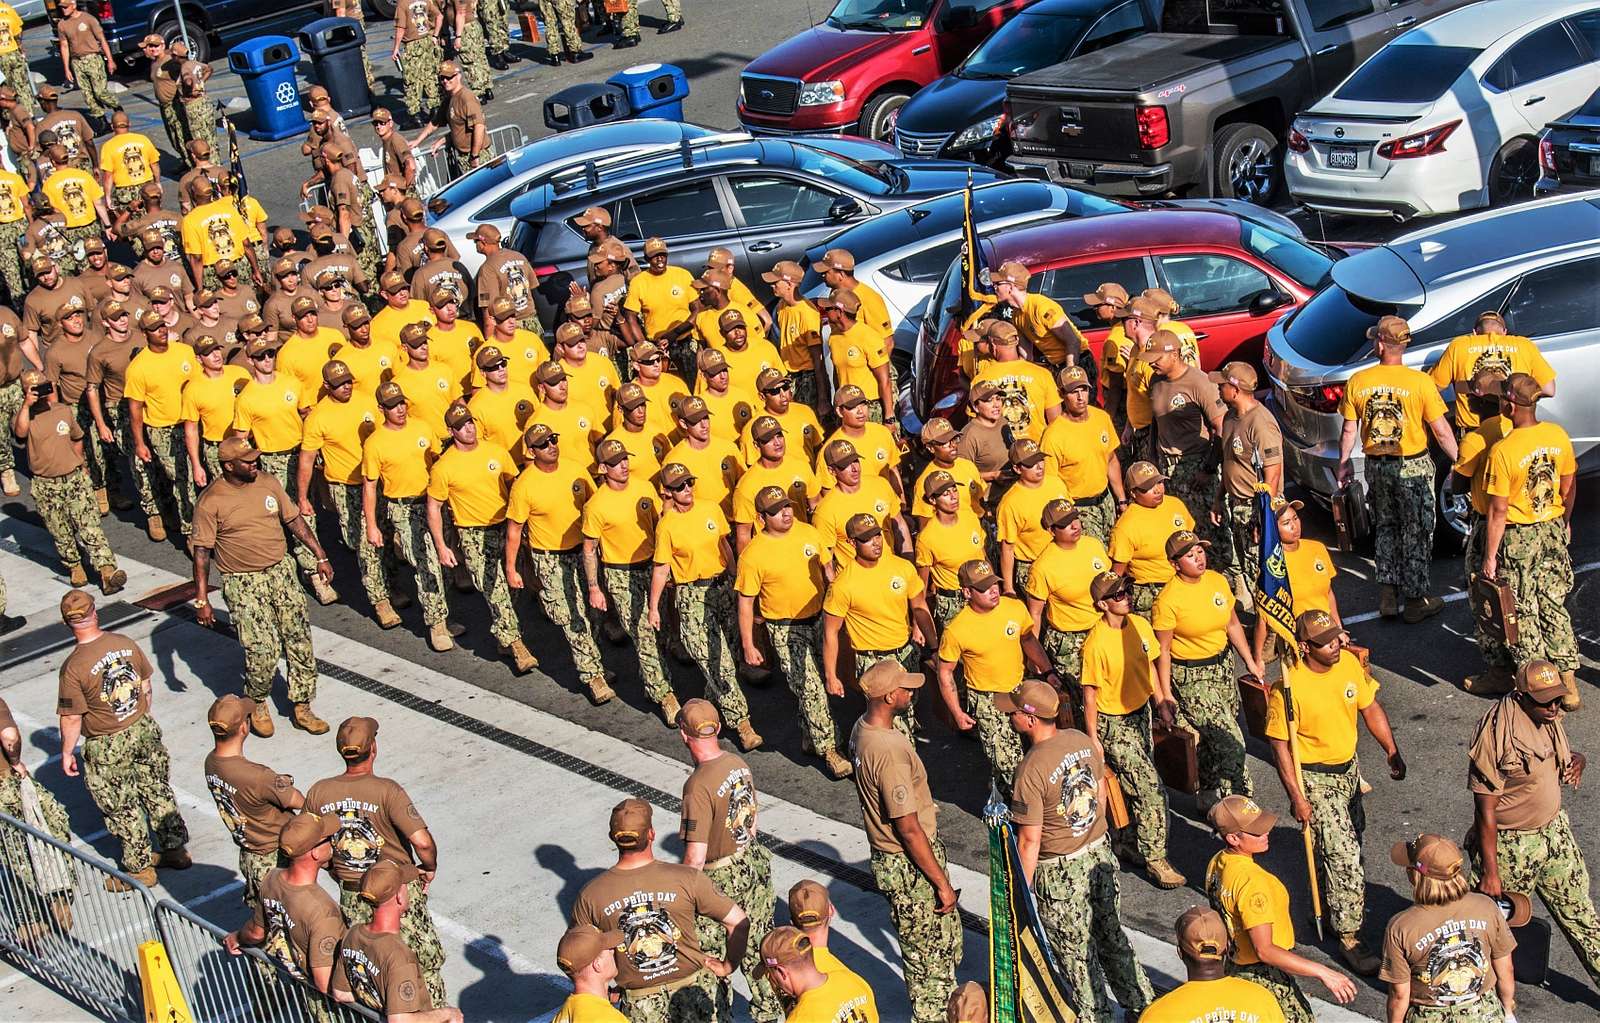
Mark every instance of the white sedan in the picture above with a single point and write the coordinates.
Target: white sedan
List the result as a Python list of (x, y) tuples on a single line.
[(1446, 116)]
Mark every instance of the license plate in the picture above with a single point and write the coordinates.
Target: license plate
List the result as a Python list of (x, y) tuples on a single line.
[(1342, 159)]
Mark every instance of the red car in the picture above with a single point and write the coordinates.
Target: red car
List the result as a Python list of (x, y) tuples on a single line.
[(853, 72), (1233, 277)]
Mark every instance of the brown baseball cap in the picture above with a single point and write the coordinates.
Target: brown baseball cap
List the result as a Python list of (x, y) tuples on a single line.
[(786, 270), (457, 415), (861, 527), (1429, 855), (937, 430), (1241, 815), (549, 373), (414, 334), (593, 215), (711, 361), (977, 574), (76, 606), (654, 246), (1002, 333), (772, 500), (1025, 452), (237, 449), (841, 298), (1162, 298), (1012, 272), (768, 379), (1142, 308), (630, 824), (205, 344), (1202, 934), (159, 293), (1279, 506), (835, 259), (839, 453), (389, 394), (1074, 378), (380, 115), (435, 240), (849, 396), (1391, 330), (305, 305), (730, 319), (32, 378), (885, 677), (1058, 512), (719, 279), (1317, 627), (676, 474), (936, 483), (392, 282), (355, 737), (305, 831), (484, 233), (809, 904), (1522, 389), (282, 268), (448, 69), (968, 1004), (1102, 586), (582, 945), (782, 945), (764, 429), (150, 320), (537, 435), (610, 452), (1541, 680), (983, 390), (1143, 476), (384, 880), (336, 373), (630, 396), (1034, 696), (1182, 542), (354, 316), (1240, 374), (643, 351), (699, 718), (1161, 343), (577, 305), (693, 409), (614, 250), (1110, 293), (411, 210), (487, 356)]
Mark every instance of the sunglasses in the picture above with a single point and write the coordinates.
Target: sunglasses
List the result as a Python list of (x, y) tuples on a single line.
[(779, 388), (502, 364), (1116, 595), (547, 442), (266, 355), (680, 487), (654, 360)]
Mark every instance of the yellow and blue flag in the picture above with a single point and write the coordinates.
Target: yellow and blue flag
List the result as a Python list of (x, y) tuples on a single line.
[(1273, 598)]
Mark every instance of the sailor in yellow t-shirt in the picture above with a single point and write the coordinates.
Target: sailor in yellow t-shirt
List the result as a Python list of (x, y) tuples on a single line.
[(1491, 345), (658, 297), (207, 409), (859, 353), (128, 160), (335, 429), (1138, 545), (1019, 519), (153, 388), (788, 961), (1081, 446), (13, 62), (1038, 318), (799, 329), (77, 196), (213, 231), (589, 959), (1032, 400), (1059, 584), (1209, 993), (950, 537)]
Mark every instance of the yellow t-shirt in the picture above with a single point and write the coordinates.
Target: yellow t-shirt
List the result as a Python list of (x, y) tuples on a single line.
[(801, 431), (988, 645), (1080, 452), (1121, 665), (623, 521), (744, 364), (710, 330), (10, 29), (475, 484), (793, 321), (856, 353), (370, 366), (73, 193), (1311, 573), (131, 158), (661, 300), (661, 399), (1526, 469), (875, 602), (645, 449), (503, 415), (453, 347), (1029, 391), (716, 468), (943, 549), (965, 474), (595, 382), (209, 401), (13, 192), (587, 1009), (429, 391), (270, 413), (874, 310), (1226, 998), (1061, 579), (1114, 353), (303, 357), (255, 215), (524, 353), (1464, 356), (1136, 393), (1246, 895), (579, 426), (388, 321), (842, 998), (1197, 613), (874, 496), (1393, 405), (691, 541), (550, 505), (1139, 538), (1325, 708), (793, 475), (338, 429), (158, 379), (400, 460), (731, 411), (1472, 457), (1038, 317), (1017, 518), (214, 231), (876, 446), (785, 573)]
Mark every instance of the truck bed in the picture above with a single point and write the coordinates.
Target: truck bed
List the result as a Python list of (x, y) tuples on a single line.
[(1143, 63)]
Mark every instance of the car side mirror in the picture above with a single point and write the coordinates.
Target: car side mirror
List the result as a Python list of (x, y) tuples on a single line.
[(1266, 301), (957, 18), (843, 208)]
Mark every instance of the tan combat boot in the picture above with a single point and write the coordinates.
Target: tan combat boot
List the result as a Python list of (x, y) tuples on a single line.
[(261, 721), (1490, 682), (146, 877), (439, 637), (1388, 602), (112, 580), (174, 859), (387, 619), (1162, 874), (102, 500), (1420, 609), (670, 709), (522, 659), (153, 526), (837, 765), (1571, 701), (599, 690), (748, 738), (76, 576), (306, 719), (8, 483), (324, 592), (1357, 955)]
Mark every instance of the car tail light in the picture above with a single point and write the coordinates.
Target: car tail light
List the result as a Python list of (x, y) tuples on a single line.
[(1424, 143), (944, 375), (542, 272), (103, 11), (1547, 156), (1153, 130), (1297, 141), (1321, 398)]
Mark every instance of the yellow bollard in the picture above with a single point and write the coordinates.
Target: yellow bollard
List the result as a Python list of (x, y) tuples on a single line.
[(163, 999)]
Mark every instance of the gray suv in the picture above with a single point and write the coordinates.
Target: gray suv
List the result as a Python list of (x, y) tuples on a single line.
[(1538, 264)]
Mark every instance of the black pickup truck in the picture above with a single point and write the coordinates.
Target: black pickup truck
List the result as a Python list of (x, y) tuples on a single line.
[(1202, 106)]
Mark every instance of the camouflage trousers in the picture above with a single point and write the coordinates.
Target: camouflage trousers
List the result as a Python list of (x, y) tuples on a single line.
[(416, 931), (346, 501), (483, 551), (1241, 542), (419, 70), (695, 1002), (74, 261), (705, 624), (178, 135), (1486, 1008), (171, 485), (460, 160), (200, 117), (67, 505), (1536, 561), (747, 880), (282, 466), (101, 460), (673, 9), (127, 775), (1021, 572), (1130, 752), (1208, 702), (10, 405), (493, 16), (559, 575), (1065, 650), (1403, 514), (628, 590), (1190, 482), (14, 68), (472, 57), (123, 198), (1080, 905), (1338, 819), (945, 605), (1491, 647), (89, 71), (909, 658), (211, 457), (253, 868), (630, 19), (1144, 598), (930, 942), (799, 658), (408, 536), (999, 740), (13, 850), (364, 236), (11, 263), (560, 19), (269, 612), (1098, 515), (1548, 861), (1291, 1000)]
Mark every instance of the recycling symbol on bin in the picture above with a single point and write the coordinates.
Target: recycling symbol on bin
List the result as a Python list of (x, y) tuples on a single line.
[(285, 93)]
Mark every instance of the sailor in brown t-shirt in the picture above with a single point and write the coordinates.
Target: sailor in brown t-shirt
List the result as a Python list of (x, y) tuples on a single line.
[(661, 970), (986, 439), (1250, 436), (253, 800), (505, 273), (1521, 839), (239, 522), (296, 923), (1188, 419), (1448, 957), (104, 697), (378, 823), (462, 115), (908, 860), (61, 488), (1058, 804), (720, 837), (375, 968), (86, 59)]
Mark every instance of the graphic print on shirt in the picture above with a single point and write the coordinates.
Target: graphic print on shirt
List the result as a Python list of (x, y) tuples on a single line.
[(119, 687), (357, 843), (1385, 422), (222, 792), (277, 944), (650, 939), (1455, 970), (363, 975), (741, 820), (1541, 482)]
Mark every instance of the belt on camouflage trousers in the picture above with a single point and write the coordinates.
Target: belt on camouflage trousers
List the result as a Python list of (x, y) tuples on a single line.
[(627, 566), (677, 985), (792, 621), (711, 581), (728, 860), (1203, 662), (1069, 857), (1329, 768)]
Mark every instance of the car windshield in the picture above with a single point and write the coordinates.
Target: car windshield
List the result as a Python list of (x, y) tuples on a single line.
[(1026, 43), (1295, 258), (1407, 74), (469, 186), (1332, 328), (880, 15), (871, 178)]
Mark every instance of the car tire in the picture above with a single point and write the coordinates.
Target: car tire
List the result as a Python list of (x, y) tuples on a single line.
[(199, 41), (1247, 163), (1513, 172), (876, 122)]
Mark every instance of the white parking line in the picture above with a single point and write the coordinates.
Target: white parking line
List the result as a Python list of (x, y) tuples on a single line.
[(1451, 598)]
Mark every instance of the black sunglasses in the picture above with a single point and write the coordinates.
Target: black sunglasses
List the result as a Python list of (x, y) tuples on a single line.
[(654, 360), (675, 488), (547, 442), (273, 354), (502, 364), (779, 388)]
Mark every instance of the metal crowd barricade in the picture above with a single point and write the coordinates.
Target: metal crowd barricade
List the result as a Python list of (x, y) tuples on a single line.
[(433, 169)]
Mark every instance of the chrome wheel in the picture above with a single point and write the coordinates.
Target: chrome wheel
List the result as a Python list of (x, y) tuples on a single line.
[(1515, 170), (1253, 170)]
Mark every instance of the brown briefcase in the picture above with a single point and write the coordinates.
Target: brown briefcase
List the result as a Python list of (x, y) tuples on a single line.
[(1494, 604), (1253, 700), (1352, 521), (1177, 758)]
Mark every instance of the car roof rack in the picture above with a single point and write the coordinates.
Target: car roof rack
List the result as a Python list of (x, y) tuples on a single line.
[(587, 174)]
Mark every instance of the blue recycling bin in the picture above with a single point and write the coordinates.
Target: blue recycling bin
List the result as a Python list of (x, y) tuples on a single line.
[(654, 90), (267, 64)]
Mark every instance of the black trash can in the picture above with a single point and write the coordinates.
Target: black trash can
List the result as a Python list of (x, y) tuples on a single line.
[(335, 46), (579, 106)]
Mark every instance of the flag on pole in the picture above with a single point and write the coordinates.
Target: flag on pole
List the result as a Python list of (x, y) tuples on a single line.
[(1025, 984), (1274, 601), (973, 297)]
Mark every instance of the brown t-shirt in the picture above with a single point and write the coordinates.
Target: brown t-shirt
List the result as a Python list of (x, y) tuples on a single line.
[(161, 220), (462, 114), (654, 907), (6, 720), (108, 366), (10, 349), (51, 436), (719, 806), (376, 820), (82, 34), (95, 287), (1447, 952), (103, 681), (251, 800), (72, 130), (346, 192), (437, 274), (1515, 759), (605, 298), (984, 445), (66, 363), (239, 304), (343, 262), (276, 312), (381, 972), (630, 266), (302, 924), (165, 274), (506, 274), (1243, 437), (397, 155), (40, 306), (1057, 787), (164, 78), (892, 782), (243, 523), (1182, 408), (46, 235), (414, 19)]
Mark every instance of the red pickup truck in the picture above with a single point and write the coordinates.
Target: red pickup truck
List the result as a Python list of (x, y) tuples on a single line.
[(853, 72)]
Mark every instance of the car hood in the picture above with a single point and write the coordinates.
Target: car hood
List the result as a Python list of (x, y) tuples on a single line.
[(820, 52), (951, 104), (935, 177)]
